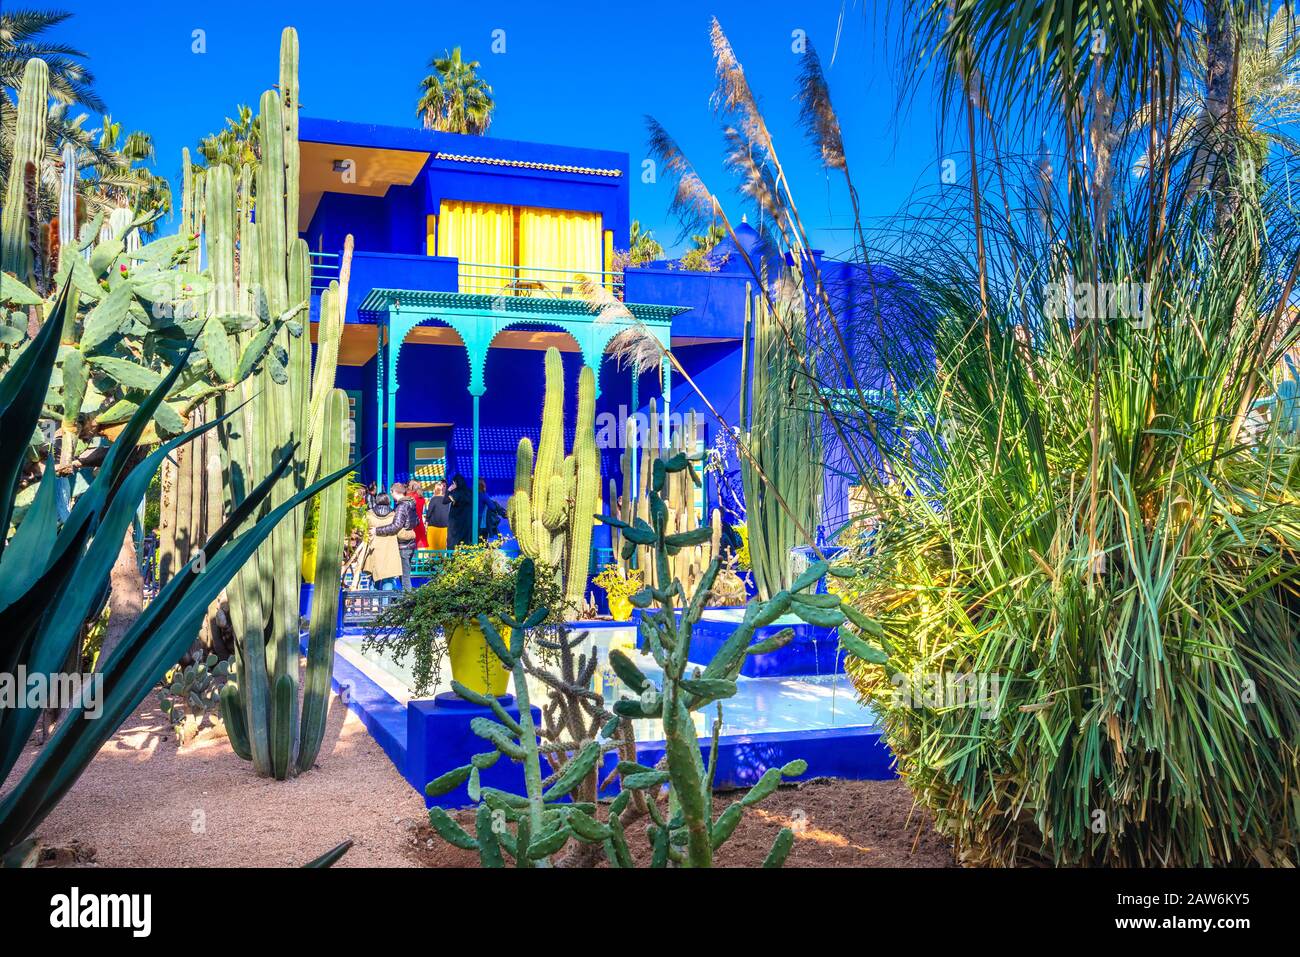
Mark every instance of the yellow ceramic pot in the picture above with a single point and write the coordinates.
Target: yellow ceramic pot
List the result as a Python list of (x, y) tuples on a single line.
[(620, 607), (474, 664), (309, 560)]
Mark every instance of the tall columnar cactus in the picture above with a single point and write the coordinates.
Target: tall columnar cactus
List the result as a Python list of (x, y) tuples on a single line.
[(17, 229), (556, 496), (271, 416), (782, 437), (68, 224)]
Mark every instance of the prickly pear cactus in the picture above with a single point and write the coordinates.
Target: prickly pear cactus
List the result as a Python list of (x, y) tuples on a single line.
[(191, 695), (139, 310)]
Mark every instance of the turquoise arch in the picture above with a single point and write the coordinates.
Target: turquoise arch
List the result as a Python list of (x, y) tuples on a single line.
[(478, 320)]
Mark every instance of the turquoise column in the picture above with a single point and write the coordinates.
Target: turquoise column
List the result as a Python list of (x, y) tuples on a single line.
[(474, 466), (379, 408), (668, 398), (390, 450)]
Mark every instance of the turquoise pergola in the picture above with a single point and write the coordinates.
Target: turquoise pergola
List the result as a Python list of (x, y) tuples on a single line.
[(478, 319)]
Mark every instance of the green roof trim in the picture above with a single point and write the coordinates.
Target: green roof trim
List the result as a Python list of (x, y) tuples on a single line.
[(522, 307)]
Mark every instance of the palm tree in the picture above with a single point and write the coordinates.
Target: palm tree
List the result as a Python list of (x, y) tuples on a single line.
[(642, 245), (238, 143), (714, 234), (71, 85), (20, 40), (125, 180), (454, 98), (1265, 101)]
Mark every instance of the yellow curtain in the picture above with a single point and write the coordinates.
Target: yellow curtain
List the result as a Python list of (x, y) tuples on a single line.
[(482, 237), (563, 240), (609, 258)]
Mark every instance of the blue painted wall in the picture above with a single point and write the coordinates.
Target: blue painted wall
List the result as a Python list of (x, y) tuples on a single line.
[(390, 245), (395, 222)]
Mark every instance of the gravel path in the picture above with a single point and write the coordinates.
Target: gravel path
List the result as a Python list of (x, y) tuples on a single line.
[(144, 802)]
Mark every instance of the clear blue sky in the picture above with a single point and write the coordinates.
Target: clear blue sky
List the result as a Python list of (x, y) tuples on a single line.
[(581, 73)]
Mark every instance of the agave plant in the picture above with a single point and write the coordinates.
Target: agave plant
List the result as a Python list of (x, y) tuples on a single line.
[(53, 580)]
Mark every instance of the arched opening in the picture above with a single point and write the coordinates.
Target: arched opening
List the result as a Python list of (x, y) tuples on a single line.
[(432, 399), (514, 377)]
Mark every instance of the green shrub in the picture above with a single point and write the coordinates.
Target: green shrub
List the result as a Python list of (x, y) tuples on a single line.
[(1087, 566), (473, 580)]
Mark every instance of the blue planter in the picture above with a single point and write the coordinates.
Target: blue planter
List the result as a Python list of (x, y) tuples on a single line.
[(304, 598), (439, 738)]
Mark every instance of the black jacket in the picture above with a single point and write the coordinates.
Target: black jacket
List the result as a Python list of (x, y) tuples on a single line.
[(404, 518), (460, 526), (492, 514), (438, 511)]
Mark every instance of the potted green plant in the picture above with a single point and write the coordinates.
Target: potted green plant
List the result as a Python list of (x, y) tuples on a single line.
[(619, 586), (439, 620)]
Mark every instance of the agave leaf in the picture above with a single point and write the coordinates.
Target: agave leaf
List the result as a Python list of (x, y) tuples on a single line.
[(156, 640), (22, 392), (20, 565)]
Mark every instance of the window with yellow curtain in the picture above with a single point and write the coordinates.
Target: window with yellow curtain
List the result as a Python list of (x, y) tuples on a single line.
[(563, 240), (482, 237)]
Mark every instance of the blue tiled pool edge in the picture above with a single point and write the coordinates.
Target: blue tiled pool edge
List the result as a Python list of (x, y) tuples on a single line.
[(855, 753), (812, 650)]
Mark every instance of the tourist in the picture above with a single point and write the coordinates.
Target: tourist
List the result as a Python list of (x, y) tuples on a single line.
[(414, 490), (402, 527), (436, 514), (461, 516), (382, 561), (489, 514)]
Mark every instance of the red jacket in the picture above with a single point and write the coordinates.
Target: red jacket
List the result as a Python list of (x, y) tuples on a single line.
[(421, 536)]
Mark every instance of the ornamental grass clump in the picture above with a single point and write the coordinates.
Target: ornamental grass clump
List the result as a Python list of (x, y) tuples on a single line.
[(1087, 553), (1052, 386)]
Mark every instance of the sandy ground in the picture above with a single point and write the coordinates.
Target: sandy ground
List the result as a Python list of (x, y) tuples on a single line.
[(837, 824), (144, 802)]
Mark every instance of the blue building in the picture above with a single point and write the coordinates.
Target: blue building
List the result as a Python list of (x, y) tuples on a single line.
[(471, 257)]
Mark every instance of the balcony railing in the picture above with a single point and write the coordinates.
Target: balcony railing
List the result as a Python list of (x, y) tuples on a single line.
[(324, 270), (493, 279), (536, 281)]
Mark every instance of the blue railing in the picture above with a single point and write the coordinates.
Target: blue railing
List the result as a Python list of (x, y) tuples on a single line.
[(324, 270), (425, 561)]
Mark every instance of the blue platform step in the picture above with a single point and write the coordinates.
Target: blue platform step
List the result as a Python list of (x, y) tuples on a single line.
[(771, 721)]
